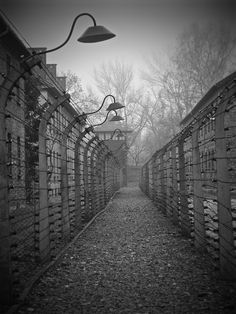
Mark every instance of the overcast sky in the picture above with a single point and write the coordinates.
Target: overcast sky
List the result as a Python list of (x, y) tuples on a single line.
[(142, 27)]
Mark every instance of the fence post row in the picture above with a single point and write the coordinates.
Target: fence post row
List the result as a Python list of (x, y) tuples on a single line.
[(49, 216), (187, 186)]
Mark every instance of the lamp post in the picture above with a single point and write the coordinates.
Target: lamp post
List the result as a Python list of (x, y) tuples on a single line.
[(92, 34), (113, 119), (112, 107)]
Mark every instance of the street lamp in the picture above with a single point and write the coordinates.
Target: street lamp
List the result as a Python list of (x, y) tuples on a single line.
[(92, 34), (113, 119), (115, 105)]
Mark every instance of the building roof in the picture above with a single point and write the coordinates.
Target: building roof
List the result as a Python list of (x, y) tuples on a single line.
[(209, 96), (11, 41), (109, 127)]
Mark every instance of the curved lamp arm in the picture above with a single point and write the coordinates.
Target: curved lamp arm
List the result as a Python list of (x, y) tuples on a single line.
[(100, 106), (67, 39), (104, 120)]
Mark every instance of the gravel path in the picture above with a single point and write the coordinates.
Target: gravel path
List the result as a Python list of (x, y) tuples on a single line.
[(131, 260)]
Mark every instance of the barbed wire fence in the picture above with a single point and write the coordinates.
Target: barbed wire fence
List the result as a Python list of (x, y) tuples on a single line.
[(55, 172), (192, 180)]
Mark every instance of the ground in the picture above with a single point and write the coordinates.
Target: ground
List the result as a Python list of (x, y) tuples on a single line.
[(132, 259)]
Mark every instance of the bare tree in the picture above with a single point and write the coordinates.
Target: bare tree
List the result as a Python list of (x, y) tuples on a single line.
[(117, 78), (203, 56), (81, 100), (137, 153)]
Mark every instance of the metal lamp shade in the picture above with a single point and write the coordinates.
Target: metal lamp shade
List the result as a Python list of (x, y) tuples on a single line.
[(116, 118), (95, 34), (115, 106)]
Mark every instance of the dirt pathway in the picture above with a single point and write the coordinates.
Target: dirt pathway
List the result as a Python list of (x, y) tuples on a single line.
[(131, 260)]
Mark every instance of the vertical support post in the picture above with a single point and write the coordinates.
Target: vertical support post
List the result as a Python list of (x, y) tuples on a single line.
[(64, 187), (44, 234), (87, 188), (99, 180), (169, 204), (78, 177), (104, 176), (174, 183), (5, 241), (226, 238), (44, 230), (93, 178), (154, 178), (78, 217), (198, 207), (184, 216), (162, 181)]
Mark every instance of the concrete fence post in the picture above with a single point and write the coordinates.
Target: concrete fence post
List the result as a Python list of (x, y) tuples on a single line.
[(198, 206), (43, 219), (93, 176), (184, 215), (175, 192), (87, 169), (163, 182), (169, 200), (66, 226)]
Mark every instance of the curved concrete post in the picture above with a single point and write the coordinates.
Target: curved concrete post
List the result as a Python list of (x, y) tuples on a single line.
[(169, 186), (64, 177), (98, 179), (104, 174), (78, 211), (88, 195), (184, 215), (163, 183), (198, 207), (93, 176), (101, 170), (174, 183)]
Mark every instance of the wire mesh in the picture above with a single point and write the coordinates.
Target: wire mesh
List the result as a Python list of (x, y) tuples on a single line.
[(192, 179), (55, 175)]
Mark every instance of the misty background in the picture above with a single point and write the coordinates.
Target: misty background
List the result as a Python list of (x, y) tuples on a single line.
[(166, 55)]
